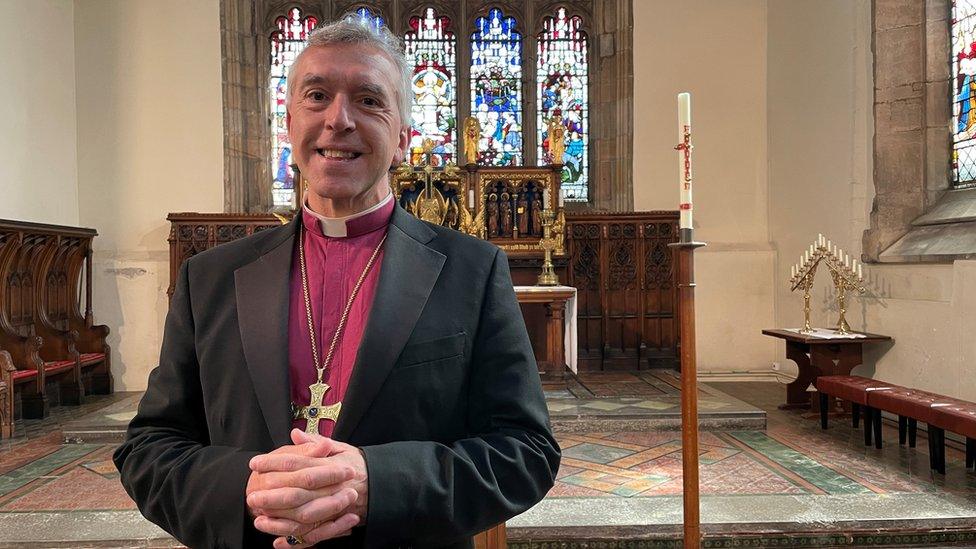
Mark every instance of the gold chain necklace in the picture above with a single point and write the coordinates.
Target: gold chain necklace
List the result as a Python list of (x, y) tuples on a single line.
[(315, 412)]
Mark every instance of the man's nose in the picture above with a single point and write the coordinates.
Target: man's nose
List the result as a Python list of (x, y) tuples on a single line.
[(338, 117)]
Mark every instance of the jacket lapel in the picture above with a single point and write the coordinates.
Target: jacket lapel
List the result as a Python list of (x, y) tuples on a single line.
[(407, 276), (262, 288)]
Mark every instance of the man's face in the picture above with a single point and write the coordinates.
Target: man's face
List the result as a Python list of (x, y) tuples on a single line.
[(344, 121)]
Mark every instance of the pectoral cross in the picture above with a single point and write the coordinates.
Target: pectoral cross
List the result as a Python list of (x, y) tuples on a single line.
[(315, 411)]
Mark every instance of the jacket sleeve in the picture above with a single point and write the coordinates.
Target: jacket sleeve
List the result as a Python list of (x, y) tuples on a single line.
[(427, 493), (190, 488)]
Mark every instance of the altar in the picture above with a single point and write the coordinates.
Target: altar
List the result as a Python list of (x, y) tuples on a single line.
[(561, 332)]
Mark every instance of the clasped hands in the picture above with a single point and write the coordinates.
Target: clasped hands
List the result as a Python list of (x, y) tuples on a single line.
[(311, 491)]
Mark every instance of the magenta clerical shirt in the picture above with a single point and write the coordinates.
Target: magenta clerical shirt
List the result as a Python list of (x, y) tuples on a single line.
[(336, 252)]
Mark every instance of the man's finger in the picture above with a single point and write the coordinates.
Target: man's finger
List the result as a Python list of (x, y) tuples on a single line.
[(310, 478), (279, 498), (320, 447), (266, 463), (326, 508), (324, 531), (321, 443), (317, 509), (282, 527)]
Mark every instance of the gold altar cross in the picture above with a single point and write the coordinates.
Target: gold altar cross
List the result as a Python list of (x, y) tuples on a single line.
[(315, 411)]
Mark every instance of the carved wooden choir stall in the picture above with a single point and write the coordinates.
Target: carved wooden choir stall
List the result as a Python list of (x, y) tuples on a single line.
[(57, 353)]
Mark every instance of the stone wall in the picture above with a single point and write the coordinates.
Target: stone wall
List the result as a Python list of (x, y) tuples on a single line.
[(912, 116)]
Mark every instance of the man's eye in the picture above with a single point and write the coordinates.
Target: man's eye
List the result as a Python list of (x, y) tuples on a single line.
[(371, 102), (316, 96)]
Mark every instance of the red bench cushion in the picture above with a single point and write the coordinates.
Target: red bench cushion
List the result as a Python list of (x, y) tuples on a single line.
[(852, 388), (21, 375), (908, 402), (58, 366), (89, 358), (958, 417)]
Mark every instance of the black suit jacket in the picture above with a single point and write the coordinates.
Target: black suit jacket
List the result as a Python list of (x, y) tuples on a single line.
[(445, 399)]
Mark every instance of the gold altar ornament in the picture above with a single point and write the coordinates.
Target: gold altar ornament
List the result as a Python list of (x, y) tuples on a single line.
[(472, 134), (846, 275), (548, 276), (557, 140)]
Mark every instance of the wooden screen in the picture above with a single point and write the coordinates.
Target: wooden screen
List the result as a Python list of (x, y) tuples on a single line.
[(627, 302)]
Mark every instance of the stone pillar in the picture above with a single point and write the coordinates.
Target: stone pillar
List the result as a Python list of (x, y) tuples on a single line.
[(612, 107)]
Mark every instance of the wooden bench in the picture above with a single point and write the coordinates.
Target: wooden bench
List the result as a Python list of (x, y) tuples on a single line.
[(58, 354), (854, 389), (939, 412)]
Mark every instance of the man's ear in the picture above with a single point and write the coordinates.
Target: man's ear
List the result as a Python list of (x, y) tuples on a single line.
[(401, 153)]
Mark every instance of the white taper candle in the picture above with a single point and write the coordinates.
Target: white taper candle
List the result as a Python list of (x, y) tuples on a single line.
[(684, 160)]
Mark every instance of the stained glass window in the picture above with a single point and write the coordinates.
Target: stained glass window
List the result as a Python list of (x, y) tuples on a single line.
[(431, 49), (496, 88), (561, 83), (286, 42), (494, 77), (964, 91), (368, 16)]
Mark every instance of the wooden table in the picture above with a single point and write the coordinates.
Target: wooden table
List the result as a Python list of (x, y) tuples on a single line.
[(816, 357), (557, 300)]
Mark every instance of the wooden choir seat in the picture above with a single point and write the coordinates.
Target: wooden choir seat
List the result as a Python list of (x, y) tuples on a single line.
[(58, 353), (939, 412), (7, 372)]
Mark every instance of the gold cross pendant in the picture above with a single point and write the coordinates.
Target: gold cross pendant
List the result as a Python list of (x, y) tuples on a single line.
[(315, 411)]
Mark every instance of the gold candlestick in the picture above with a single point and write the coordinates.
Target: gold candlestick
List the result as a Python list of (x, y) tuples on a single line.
[(807, 284), (845, 279), (548, 243), (804, 279)]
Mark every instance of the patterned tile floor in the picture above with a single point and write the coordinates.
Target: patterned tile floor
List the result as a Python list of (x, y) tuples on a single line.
[(792, 463), (641, 401)]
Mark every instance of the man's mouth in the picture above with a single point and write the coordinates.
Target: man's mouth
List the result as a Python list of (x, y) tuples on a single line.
[(334, 154)]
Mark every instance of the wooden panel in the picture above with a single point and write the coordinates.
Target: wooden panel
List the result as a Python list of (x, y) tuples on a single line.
[(623, 268), (492, 539), (622, 338), (659, 294), (192, 233), (585, 274)]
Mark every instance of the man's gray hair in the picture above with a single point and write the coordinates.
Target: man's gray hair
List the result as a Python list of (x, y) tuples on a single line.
[(353, 29)]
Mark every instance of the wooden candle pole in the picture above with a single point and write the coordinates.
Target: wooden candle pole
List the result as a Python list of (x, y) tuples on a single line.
[(689, 388)]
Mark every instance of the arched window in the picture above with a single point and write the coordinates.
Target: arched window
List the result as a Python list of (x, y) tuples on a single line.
[(496, 88), (562, 91), (964, 92), (432, 50), (287, 41)]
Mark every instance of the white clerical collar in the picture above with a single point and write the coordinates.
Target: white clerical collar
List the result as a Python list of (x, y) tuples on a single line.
[(336, 226)]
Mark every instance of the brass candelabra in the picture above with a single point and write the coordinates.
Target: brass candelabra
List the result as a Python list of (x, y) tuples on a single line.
[(846, 275), (548, 243)]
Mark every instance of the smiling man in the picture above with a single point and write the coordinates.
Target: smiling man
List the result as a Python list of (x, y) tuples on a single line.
[(356, 378)]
